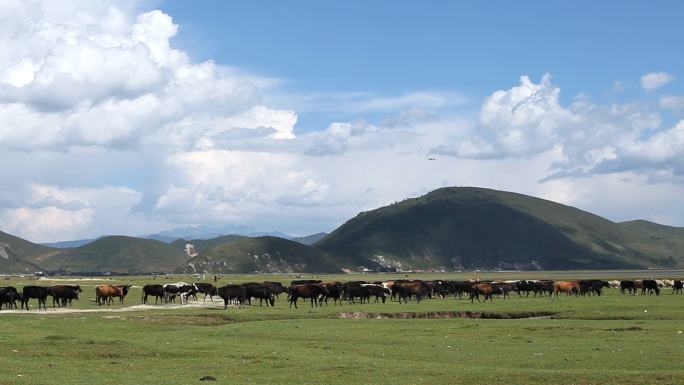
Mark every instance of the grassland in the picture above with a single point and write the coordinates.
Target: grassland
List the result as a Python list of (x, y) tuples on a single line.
[(613, 339)]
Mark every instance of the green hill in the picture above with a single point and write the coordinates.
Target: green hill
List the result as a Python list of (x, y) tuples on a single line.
[(205, 244), (262, 254), (482, 228), (670, 240), (119, 254), (16, 254)]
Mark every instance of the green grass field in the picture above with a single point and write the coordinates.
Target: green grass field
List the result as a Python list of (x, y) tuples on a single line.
[(613, 339)]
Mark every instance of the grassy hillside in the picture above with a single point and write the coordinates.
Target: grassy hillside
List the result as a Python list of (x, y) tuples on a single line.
[(117, 253), (206, 244), (262, 254), (483, 228), (16, 254), (670, 240)]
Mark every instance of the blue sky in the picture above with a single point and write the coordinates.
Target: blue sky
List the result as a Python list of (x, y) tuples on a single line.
[(473, 47), (400, 46), (140, 116)]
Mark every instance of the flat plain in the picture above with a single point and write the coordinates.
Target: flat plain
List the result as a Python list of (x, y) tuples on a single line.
[(612, 339)]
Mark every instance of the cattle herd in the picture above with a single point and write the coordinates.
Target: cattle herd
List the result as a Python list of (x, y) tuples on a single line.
[(318, 292)]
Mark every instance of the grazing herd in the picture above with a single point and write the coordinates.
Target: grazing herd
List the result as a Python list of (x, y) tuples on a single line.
[(318, 292)]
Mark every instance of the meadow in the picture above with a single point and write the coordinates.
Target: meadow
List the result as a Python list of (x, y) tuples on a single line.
[(613, 339)]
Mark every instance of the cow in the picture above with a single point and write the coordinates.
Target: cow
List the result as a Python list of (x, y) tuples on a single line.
[(627, 286), (260, 291), (614, 284), (305, 282), (524, 286), (651, 286), (106, 293), (310, 291), (335, 290), (63, 293), (8, 297), (207, 289), (543, 287), (276, 288), (230, 293), (485, 289), (677, 286), (173, 290), (156, 291), (458, 288), (592, 286), (503, 288), (406, 290), (38, 292), (567, 287), (352, 291), (375, 290), (436, 288)]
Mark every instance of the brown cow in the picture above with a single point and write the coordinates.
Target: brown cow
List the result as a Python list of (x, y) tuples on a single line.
[(311, 291), (567, 287), (106, 293), (485, 289), (406, 290)]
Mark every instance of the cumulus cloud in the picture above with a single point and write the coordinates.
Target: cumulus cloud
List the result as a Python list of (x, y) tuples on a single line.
[(529, 119), (90, 74), (653, 80), (110, 128), (50, 213)]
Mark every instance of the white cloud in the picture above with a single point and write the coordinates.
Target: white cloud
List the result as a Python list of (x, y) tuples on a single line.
[(49, 213), (109, 128), (653, 80), (672, 102), (98, 76)]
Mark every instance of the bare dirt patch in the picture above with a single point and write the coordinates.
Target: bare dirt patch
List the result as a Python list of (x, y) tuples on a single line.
[(446, 314), (112, 309)]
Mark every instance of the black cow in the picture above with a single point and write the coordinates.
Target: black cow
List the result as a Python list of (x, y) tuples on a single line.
[(156, 291), (458, 288), (231, 293), (352, 291), (63, 293), (651, 286), (38, 292), (627, 286), (335, 291), (305, 282), (677, 287), (375, 290), (276, 288), (207, 289), (9, 297), (592, 286), (257, 290)]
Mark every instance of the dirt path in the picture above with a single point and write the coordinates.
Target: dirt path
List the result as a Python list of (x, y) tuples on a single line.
[(114, 309)]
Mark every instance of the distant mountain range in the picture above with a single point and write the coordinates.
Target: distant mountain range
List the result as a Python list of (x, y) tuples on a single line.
[(209, 232), (450, 228)]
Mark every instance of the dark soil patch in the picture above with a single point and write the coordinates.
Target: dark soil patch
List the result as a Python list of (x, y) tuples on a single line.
[(627, 329), (447, 314)]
